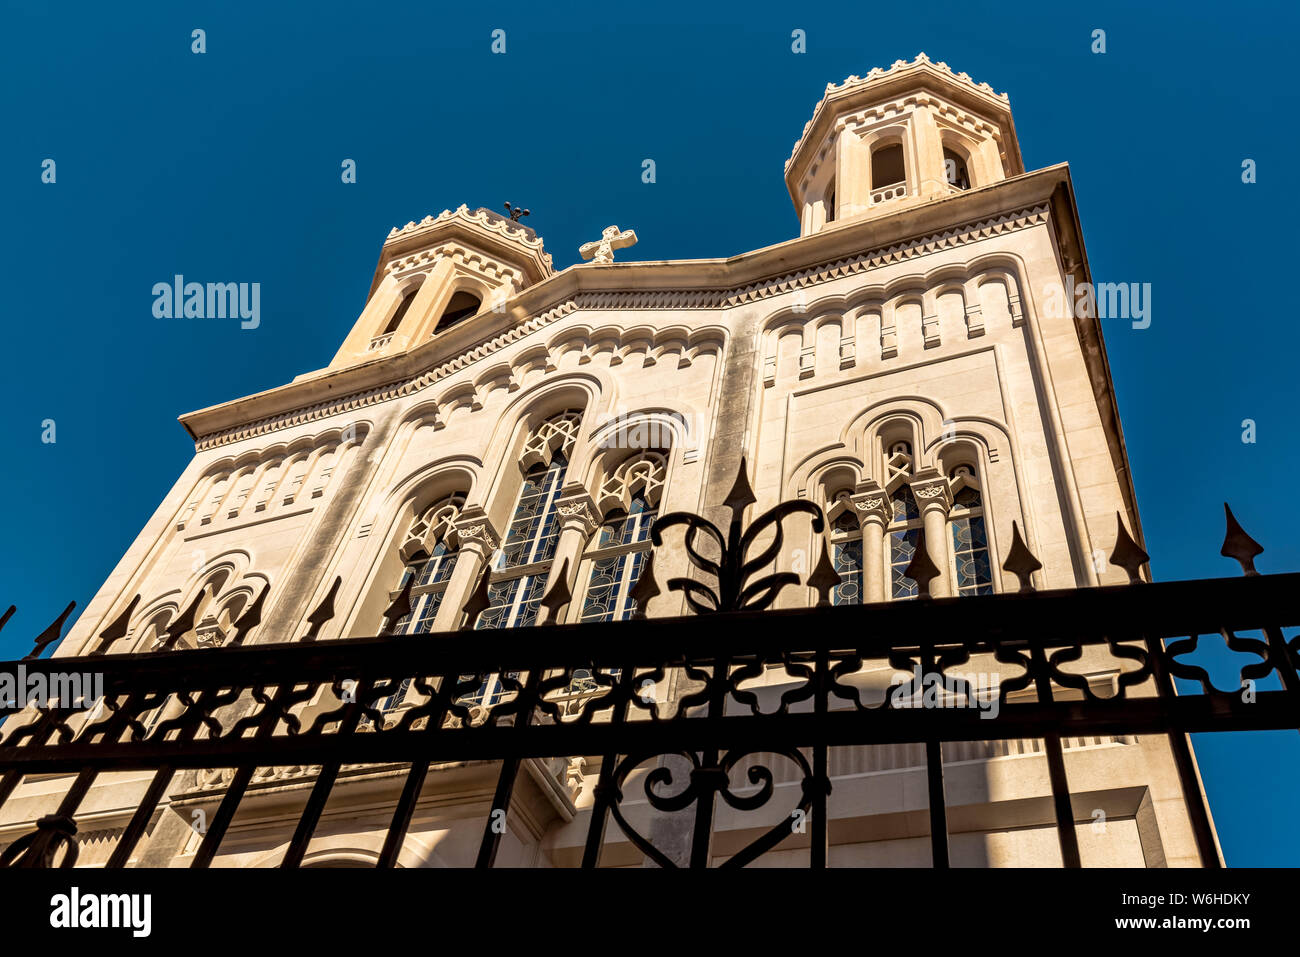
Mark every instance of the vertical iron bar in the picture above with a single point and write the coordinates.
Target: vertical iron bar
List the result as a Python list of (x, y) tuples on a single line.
[(239, 784), (7, 784), (1281, 657), (225, 814), (415, 778), (1065, 832), (491, 843), (702, 835), (1193, 797), (72, 800), (608, 762), (41, 734), (1066, 836), (938, 803), (820, 849), (939, 855), (153, 794), (496, 826), (325, 778), (140, 819), (402, 813), (320, 794)]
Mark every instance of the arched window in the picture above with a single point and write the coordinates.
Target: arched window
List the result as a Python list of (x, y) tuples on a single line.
[(630, 498), (905, 521), (830, 203), (519, 575), (403, 307), (846, 552), (970, 544), (887, 166), (430, 552), (955, 169), (462, 306)]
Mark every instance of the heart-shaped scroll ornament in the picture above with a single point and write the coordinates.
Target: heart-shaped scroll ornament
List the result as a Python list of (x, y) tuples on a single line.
[(705, 782)]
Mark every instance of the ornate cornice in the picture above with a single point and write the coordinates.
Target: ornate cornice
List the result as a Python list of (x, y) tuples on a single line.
[(503, 226), (922, 64), (718, 298)]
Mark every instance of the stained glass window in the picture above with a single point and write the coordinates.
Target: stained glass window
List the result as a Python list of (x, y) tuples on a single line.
[(970, 543), (902, 535), (622, 545), (523, 562), (846, 554), (534, 529)]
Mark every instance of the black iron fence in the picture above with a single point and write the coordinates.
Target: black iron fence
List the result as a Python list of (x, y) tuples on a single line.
[(599, 689)]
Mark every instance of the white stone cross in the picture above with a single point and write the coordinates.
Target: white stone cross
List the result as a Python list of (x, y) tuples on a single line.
[(603, 249)]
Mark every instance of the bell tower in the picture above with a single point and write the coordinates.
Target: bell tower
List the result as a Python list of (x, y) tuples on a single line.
[(900, 137), (440, 272)]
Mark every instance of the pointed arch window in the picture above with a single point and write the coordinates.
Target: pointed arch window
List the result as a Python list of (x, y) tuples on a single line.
[(430, 549), (524, 560), (630, 501), (905, 522), (973, 572), (846, 551)]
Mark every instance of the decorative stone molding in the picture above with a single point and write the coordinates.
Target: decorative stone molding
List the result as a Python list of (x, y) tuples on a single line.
[(436, 523), (644, 473), (852, 83), (474, 530), (930, 331), (871, 503), (577, 510), (650, 300), (932, 490), (480, 218)]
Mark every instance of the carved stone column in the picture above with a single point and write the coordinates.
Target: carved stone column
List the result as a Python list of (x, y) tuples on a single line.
[(872, 506), (934, 497), (478, 540), (578, 519)]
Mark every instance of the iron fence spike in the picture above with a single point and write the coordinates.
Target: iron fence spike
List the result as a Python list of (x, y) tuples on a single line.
[(1020, 560), (51, 634), (1127, 554), (117, 629), (922, 569), (1237, 544)]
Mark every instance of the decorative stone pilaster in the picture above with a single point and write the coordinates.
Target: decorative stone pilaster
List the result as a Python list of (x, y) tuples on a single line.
[(579, 517), (933, 494), (871, 503), (478, 540)]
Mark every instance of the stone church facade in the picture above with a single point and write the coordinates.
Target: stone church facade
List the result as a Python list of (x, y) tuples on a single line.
[(905, 363)]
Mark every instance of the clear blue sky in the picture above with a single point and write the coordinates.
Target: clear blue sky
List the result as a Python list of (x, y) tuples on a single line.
[(225, 167)]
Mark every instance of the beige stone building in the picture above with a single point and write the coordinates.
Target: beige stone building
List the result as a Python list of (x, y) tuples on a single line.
[(904, 362)]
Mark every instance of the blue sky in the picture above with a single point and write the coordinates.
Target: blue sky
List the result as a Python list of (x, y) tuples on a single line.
[(225, 167)]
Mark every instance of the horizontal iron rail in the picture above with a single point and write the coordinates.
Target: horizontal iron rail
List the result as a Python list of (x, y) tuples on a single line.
[(1271, 710), (1053, 619)]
